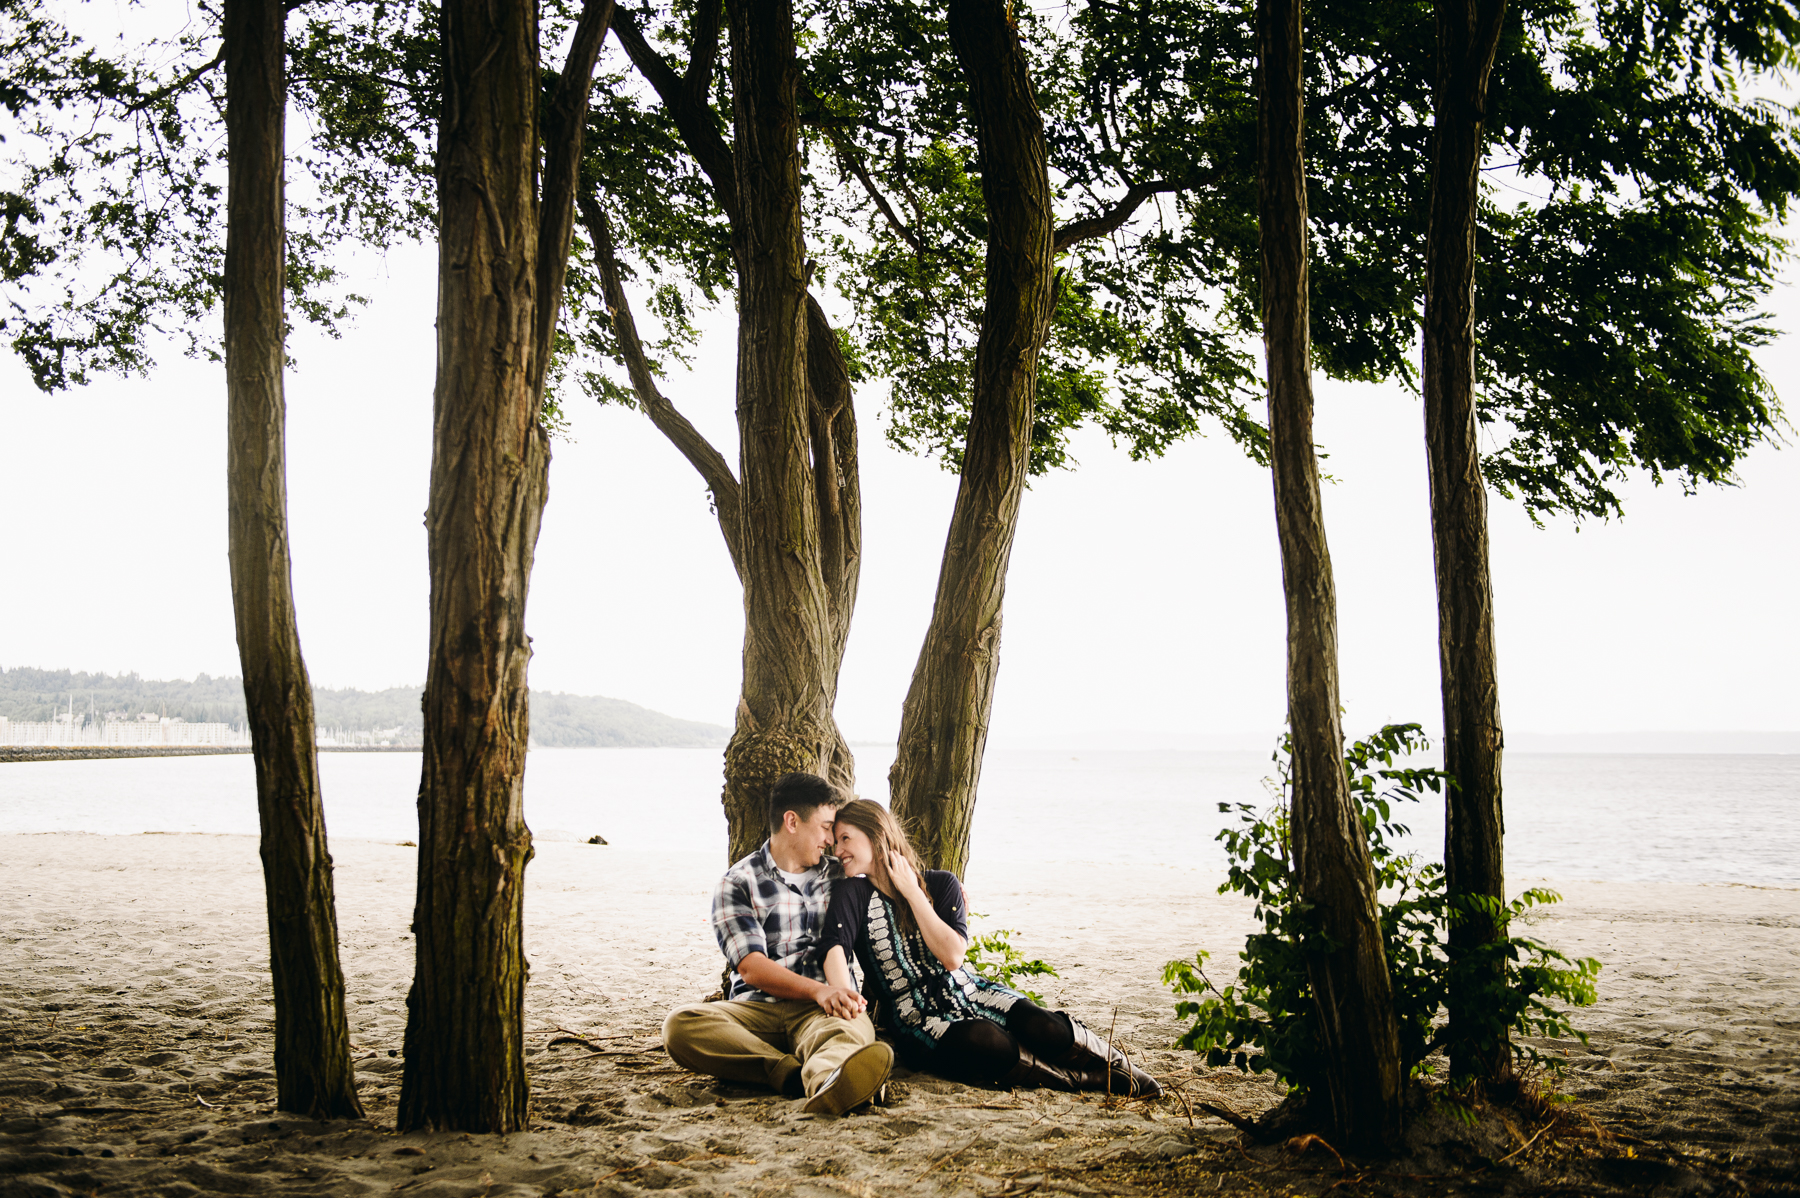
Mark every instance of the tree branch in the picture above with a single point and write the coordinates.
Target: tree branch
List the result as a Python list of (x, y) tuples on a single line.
[(853, 161), (703, 51), (838, 486), (699, 452), (693, 118), (565, 122), (180, 85), (1113, 218)]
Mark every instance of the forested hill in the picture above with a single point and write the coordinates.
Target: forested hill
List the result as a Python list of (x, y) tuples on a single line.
[(557, 720)]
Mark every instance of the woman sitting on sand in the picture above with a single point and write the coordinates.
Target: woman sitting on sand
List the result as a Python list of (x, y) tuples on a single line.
[(909, 928)]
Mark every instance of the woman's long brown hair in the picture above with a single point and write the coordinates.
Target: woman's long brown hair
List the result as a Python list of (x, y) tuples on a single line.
[(884, 833)]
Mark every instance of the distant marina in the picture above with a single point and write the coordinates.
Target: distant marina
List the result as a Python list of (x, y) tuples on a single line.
[(76, 735)]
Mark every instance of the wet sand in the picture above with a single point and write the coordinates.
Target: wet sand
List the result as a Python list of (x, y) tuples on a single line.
[(135, 1054)]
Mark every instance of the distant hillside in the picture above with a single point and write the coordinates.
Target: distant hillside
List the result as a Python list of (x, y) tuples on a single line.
[(557, 720), (580, 721)]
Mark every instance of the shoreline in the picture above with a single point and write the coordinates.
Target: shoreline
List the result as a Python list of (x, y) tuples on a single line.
[(134, 1020), (10, 753)]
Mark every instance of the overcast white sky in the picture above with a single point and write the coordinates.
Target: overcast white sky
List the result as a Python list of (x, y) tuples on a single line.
[(1144, 598)]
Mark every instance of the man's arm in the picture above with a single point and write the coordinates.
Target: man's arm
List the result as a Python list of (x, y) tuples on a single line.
[(781, 982)]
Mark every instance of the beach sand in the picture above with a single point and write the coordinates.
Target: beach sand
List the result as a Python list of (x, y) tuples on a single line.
[(135, 1049)]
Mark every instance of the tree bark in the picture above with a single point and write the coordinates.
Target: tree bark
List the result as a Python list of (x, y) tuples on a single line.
[(784, 720), (943, 726), (500, 269), (1346, 963), (313, 1075), (798, 482), (1474, 865)]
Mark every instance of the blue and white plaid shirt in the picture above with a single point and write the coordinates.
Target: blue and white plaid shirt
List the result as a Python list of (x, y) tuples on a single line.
[(756, 910)]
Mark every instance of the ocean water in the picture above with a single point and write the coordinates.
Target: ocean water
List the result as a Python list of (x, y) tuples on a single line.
[(1683, 818)]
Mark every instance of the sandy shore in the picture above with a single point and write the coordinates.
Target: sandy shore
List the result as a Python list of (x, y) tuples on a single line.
[(134, 1050)]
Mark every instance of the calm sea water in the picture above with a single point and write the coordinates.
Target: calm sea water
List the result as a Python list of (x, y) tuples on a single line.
[(1613, 817)]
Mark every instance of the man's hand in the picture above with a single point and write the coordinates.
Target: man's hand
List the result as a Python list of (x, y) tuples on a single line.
[(841, 1001), (780, 982)]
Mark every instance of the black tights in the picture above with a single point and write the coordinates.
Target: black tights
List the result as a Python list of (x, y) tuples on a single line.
[(981, 1052)]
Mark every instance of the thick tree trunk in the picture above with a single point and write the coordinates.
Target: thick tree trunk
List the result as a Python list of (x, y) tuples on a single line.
[(838, 495), (499, 285), (806, 488), (784, 718), (943, 726), (1468, 34), (1346, 962), (313, 1076)]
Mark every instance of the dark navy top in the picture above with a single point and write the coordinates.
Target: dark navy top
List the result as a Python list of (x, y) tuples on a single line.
[(916, 998), (849, 909)]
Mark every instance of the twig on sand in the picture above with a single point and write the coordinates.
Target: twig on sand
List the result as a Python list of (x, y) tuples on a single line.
[(946, 1156), (1010, 1183), (1181, 1093), (1528, 1143), (1110, 1043), (1342, 1181), (1247, 1126), (605, 1052), (1300, 1144), (699, 1156)]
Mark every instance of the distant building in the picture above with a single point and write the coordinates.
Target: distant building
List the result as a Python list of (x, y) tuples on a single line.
[(72, 730)]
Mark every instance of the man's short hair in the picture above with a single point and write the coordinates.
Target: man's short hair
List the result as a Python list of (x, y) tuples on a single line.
[(802, 794)]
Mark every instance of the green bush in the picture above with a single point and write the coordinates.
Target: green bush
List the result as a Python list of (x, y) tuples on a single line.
[(1264, 1021), (993, 956)]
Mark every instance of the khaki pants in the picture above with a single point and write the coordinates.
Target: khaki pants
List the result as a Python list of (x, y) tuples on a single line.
[(764, 1042)]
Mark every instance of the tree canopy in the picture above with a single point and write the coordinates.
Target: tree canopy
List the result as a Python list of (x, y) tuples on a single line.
[(1638, 174)]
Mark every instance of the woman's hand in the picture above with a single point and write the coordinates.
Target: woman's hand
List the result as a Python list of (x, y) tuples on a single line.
[(904, 879), (945, 943)]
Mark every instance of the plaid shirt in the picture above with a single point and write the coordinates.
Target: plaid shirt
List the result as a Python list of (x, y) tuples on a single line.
[(755, 910)]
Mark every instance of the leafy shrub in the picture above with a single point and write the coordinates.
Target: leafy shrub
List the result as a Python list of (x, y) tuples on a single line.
[(993, 956), (1265, 1021)]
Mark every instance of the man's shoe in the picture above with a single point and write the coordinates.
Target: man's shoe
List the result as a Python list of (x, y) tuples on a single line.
[(855, 1081)]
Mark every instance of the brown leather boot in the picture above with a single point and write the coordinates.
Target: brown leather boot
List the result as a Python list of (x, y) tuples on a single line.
[(1110, 1069), (1034, 1071)]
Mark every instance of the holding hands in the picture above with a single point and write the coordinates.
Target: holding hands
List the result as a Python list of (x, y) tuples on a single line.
[(841, 1001)]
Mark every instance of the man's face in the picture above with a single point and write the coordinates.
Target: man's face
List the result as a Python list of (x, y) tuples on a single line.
[(812, 836)]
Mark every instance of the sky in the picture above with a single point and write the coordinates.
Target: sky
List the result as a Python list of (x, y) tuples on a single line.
[(1143, 605)]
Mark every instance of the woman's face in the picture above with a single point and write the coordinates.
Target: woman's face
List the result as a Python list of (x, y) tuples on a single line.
[(854, 851)]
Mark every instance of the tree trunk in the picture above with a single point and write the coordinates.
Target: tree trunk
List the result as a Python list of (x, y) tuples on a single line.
[(313, 1076), (1468, 34), (943, 727), (784, 718), (499, 286), (1346, 963), (797, 435), (836, 481)]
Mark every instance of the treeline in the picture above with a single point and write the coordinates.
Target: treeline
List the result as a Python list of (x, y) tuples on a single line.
[(36, 695), (558, 720)]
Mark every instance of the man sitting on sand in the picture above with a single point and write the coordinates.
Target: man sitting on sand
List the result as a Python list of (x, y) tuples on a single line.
[(782, 1024)]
